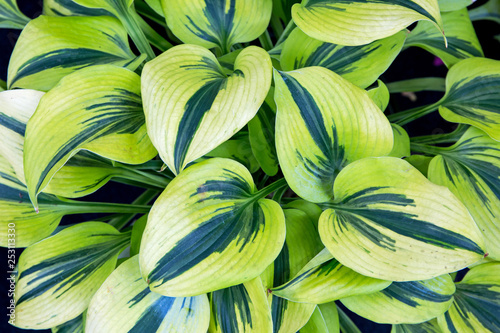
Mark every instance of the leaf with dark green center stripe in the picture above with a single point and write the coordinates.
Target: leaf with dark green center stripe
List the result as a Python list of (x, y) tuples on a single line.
[(426, 327), (59, 275), (324, 279), (471, 170), (477, 302), (211, 23), (472, 97), (460, 34), (50, 48), (405, 302), (97, 109), (345, 22), (10, 15), (192, 107), (75, 325), (70, 8), (389, 222), (361, 65), (209, 230), (126, 296), (302, 244), (323, 123), (325, 319), (241, 308)]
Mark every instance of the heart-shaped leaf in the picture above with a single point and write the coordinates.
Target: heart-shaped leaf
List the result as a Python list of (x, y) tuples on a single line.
[(212, 214), (361, 65), (124, 303), (389, 222), (59, 275), (191, 116), (10, 15), (323, 123), (358, 22)]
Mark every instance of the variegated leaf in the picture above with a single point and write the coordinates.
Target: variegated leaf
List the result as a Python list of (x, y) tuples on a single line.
[(70, 8), (10, 15), (50, 48), (192, 107), (425, 327), (389, 222), (323, 123), (75, 325), (361, 65), (460, 34), (488, 11), (405, 302), (325, 319), (221, 24), (212, 214), (359, 22), (124, 303), (324, 280), (97, 109), (59, 275)]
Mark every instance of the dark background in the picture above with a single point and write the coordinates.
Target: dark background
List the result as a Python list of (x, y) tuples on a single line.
[(411, 63)]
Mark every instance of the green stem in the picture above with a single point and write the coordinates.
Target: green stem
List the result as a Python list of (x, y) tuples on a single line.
[(419, 84), (441, 138), (130, 20), (83, 207), (270, 189), (143, 8), (279, 194), (426, 149), (346, 324), (403, 118), (290, 26), (265, 41), (277, 26), (121, 221), (153, 37)]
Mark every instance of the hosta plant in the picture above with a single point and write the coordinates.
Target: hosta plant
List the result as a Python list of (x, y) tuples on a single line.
[(279, 183)]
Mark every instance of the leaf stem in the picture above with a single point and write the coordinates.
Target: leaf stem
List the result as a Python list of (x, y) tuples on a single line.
[(276, 26), (426, 149), (289, 27), (270, 189), (441, 138), (265, 41), (403, 118), (418, 84), (130, 20), (83, 207), (121, 221)]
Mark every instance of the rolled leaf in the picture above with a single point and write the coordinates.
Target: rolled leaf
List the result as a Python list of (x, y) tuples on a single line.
[(389, 222), (323, 123), (477, 302), (472, 95), (471, 170), (124, 303), (426, 327), (192, 107), (97, 109), (325, 319), (361, 65), (405, 302), (211, 215), (380, 95), (219, 24), (359, 22), (10, 15), (451, 5), (460, 34), (324, 280), (241, 308), (401, 142), (50, 48), (59, 275)]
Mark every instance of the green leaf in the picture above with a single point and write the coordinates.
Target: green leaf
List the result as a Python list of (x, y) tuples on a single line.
[(380, 95), (323, 123), (324, 280), (346, 324), (460, 34), (137, 232), (472, 97), (283, 9), (124, 303), (420, 162), (347, 22), (241, 308), (471, 170), (10, 15), (477, 302), (70, 8), (189, 117), (302, 244), (389, 222), (325, 319), (313, 211), (361, 65), (73, 326), (401, 142), (212, 214), (488, 11), (236, 149), (405, 302), (418, 84), (97, 109), (451, 5), (59, 275), (217, 23), (50, 48), (426, 327)]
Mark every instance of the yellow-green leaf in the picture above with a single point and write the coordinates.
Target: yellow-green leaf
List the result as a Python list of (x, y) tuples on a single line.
[(426, 327), (460, 34), (217, 23), (241, 308), (70, 8), (405, 302), (323, 123), (420, 162), (97, 109), (471, 170), (476, 302), (10, 15), (237, 149), (401, 142), (313, 211), (124, 303), (192, 107), (451, 5), (361, 65), (380, 95), (358, 22), (325, 319), (324, 280), (59, 275), (50, 48), (212, 214), (472, 96), (389, 222)]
